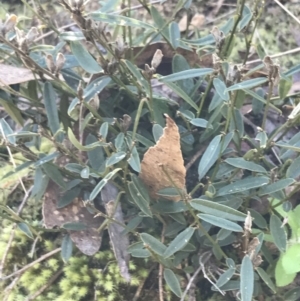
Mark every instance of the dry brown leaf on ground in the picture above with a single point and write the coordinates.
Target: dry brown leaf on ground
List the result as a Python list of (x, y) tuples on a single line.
[(163, 159)]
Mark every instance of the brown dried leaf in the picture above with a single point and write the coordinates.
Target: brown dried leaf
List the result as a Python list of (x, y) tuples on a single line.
[(182, 24), (197, 21), (88, 241), (164, 156)]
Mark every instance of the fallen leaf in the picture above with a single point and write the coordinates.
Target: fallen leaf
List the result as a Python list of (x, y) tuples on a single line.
[(162, 159), (197, 21), (182, 24), (88, 241), (10, 75)]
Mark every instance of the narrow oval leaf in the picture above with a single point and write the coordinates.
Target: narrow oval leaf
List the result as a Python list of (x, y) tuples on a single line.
[(278, 233), (247, 84), (68, 197), (7, 131), (139, 199), (72, 36), (25, 229), (210, 156), (74, 226), (134, 160), (172, 282), (225, 277), (66, 248), (266, 278), (220, 222), (154, 244), (54, 174), (200, 123), (157, 131), (294, 169), (104, 130), (247, 279), (221, 89), (217, 210), (244, 164), (84, 58), (115, 158), (102, 183), (191, 73), (174, 34), (279, 185), (179, 242), (51, 108), (243, 185)]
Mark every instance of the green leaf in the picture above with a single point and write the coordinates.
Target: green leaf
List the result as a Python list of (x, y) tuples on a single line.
[(279, 185), (284, 87), (182, 94), (160, 22), (68, 197), (278, 233), (66, 248), (96, 156), (157, 131), (138, 196), (246, 17), (7, 131), (210, 156), (72, 36), (266, 278), (13, 111), (25, 229), (258, 219), (104, 130), (200, 123), (174, 34), (154, 244), (221, 89), (84, 58), (292, 295), (191, 73), (51, 108), (217, 210), (119, 20), (262, 137), (291, 259), (134, 160), (102, 183), (243, 185), (281, 277), (220, 222), (248, 84), (225, 277), (115, 158), (172, 282), (244, 164), (294, 169), (54, 174), (74, 226), (86, 148), (179, 242), (163, 206), (247, 279)]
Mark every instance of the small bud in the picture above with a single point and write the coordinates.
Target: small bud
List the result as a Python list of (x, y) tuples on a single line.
[(50, 63), (157, 58), (125, 122), (120, 48), (60, 61), (9, 24)]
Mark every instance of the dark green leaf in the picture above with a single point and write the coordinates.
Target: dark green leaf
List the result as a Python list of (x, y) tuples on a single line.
[(134, 160), (115, 158), (221, 89), (242, 163), (104, 130), (102, 183), (54, 174), (225, 277), (25, 229), (51, 108), (84, 58), (294, 169), (179, 242), (154, 244), (246, 17), (157, 131), (220, 222), (210, 156), (68, 197), (243, 185), (200, 123), (217, 210), (279, 185), (247, 279), (278, 233), (191, 73), (74, 226), (267, 279), (66, 248), (173, 282), (174, 34), (248, 84)]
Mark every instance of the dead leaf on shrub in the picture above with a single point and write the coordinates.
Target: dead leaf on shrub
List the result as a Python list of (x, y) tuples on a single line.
[(143, 55), (10, 75), (164, 157)]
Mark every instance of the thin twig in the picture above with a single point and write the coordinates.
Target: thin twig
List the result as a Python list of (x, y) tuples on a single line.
[(195, 157), (288, 12), (26, 267)]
